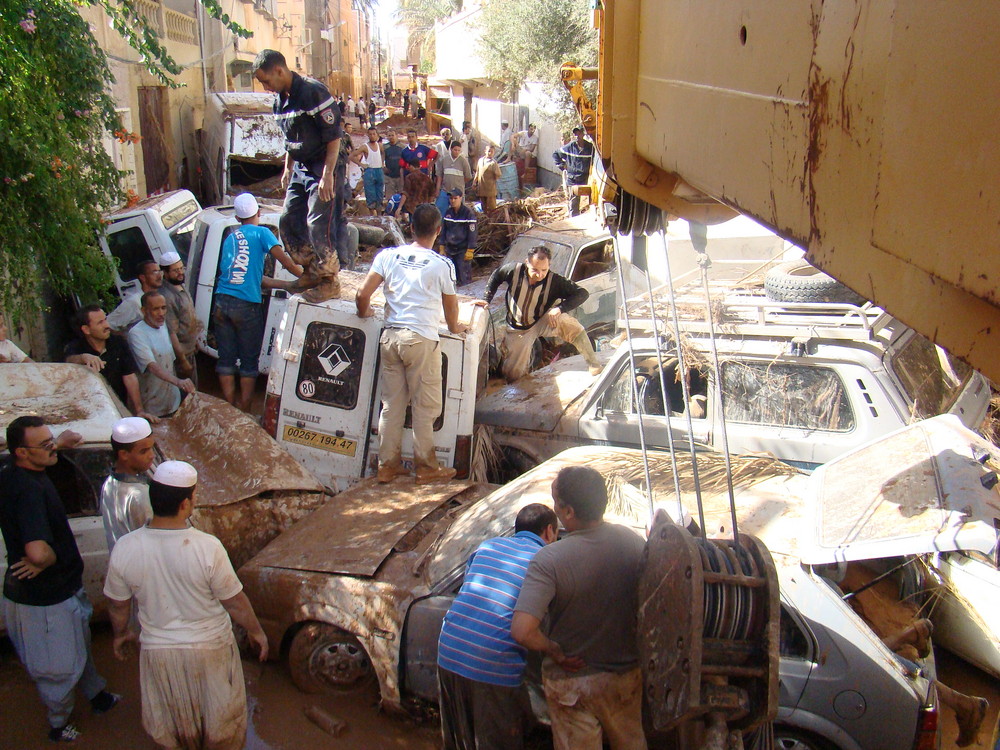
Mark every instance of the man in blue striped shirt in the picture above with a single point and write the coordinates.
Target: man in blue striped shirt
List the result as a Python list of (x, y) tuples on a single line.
[(483, 701)]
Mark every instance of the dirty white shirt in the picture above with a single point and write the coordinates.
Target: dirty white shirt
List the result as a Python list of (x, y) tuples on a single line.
[(177, 577), (148, 345), (10, 352), (414, 278), (127, 314), (124, 505)]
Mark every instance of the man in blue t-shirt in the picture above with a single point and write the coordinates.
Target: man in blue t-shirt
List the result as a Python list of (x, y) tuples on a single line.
[(238, 313), (483, 700)]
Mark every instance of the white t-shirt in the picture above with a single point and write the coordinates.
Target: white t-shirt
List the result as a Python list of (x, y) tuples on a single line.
[(177, 577), (128, 313), (9, 352), (415, 278), (148, 345)]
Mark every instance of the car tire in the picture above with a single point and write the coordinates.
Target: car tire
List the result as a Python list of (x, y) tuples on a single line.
[(798, 281), (325, 659), (786, 738)]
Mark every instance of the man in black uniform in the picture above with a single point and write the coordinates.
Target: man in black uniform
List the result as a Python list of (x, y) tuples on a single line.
[(45, 608), (538, 302), (575, 160), (312, 223)]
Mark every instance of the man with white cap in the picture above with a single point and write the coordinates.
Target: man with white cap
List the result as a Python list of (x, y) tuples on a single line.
[(182, 322), (125, 493), (193, 694), (238, 313)]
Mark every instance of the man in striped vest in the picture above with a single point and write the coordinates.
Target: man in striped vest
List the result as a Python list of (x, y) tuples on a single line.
[(537, 303), (483, 700)]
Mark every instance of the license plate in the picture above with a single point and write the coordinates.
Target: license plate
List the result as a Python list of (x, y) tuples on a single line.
[(320, 440)]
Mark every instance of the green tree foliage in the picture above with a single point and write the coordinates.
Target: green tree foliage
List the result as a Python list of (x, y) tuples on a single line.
[(527, 40), (56, 179), (419, 17)]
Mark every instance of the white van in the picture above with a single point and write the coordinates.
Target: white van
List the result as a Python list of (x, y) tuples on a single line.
[(324, 390)]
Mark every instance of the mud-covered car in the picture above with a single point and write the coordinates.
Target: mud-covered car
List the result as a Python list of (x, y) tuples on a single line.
[(356, 593), (802, 382), (249, 489)]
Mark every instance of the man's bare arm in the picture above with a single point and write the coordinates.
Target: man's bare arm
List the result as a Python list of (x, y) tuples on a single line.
[(286, 261), (526, 630), (243, 615), (363, 297), (38, 556), (120, 613), (450, 304), (185, 385)]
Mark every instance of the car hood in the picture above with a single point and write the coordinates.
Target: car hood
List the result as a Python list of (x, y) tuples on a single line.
[(68, 397), (538, 400), (357, 530), (236, 459), (921, 489)]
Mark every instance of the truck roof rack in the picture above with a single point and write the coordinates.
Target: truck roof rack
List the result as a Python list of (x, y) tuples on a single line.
[(741, 308)]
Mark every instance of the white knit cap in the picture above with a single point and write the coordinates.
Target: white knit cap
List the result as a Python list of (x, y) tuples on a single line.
[(169, 258), (131, 430), (246, 206), (176, 474)]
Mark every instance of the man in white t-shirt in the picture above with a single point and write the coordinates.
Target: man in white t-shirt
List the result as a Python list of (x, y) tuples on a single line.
[(193, 694), (154, 355), (418, 283)]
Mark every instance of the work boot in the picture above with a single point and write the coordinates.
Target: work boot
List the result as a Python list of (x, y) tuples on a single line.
[(970, 711), (328, 287), (583, 345), (917, 635), (439, 474), (388, 472)]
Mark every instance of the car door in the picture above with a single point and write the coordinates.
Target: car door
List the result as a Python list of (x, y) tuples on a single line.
[(130, 241), (328, 388)]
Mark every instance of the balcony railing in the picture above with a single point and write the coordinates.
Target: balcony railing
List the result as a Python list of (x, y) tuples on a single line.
[(171, 24)]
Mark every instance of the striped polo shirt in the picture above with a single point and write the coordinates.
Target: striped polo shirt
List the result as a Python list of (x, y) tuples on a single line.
[(475, 638)]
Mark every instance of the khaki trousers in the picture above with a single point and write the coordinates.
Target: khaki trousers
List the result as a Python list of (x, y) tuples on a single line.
[(411, 375), (583, 709), (518, 344)]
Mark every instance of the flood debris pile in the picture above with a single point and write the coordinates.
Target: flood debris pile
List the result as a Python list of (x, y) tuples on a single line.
[(498, 228)]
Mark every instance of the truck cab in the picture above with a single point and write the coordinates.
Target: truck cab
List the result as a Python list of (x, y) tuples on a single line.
[(146, 231)]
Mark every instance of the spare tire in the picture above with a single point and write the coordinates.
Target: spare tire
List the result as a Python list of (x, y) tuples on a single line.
[(798, 281)]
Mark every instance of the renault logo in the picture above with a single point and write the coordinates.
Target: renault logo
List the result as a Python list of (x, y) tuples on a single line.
[(334, 360)]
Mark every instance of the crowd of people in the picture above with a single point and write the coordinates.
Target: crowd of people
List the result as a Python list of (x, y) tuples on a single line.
[(172, 587)]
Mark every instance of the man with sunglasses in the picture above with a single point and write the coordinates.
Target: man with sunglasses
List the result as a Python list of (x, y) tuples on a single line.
[(46, 610)]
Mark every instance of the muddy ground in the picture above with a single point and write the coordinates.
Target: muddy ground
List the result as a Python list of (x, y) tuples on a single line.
[(276, 710)]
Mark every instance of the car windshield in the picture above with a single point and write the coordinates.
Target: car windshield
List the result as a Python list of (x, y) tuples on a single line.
[(931, 377)]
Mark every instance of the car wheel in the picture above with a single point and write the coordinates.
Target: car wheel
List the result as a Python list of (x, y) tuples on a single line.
[(793, 739), (324, 659), (798, 281)]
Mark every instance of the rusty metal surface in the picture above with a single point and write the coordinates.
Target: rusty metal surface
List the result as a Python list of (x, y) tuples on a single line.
[(68, 397), (235, 458), (357, 529), (538, 400)]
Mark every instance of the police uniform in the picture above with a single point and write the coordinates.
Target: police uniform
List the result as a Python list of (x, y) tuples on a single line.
[(310, 227)]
